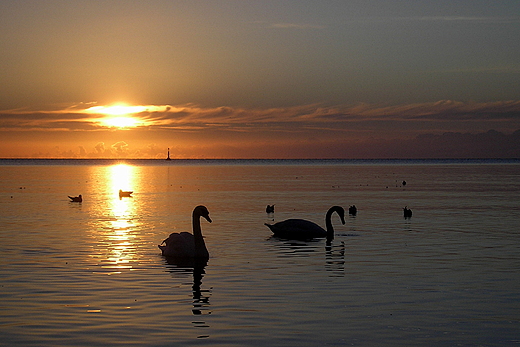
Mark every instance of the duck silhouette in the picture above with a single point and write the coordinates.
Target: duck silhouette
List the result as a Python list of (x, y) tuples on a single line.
[(407, 213), (76, 198), (125, 194)]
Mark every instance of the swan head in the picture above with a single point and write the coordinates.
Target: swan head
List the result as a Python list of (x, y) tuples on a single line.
[(202, 211), (339, 210)]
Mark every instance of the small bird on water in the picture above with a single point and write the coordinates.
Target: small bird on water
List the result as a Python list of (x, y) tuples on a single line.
[(123, 193), (76, 198)]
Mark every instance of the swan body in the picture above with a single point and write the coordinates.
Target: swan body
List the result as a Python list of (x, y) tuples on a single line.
[(301, 229), (76, 198), (186, 245)]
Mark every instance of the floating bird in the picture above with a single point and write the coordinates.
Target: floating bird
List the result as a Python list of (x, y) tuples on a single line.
[(404, 183), (269, 209), (407, 212), (300, 229), (76, 198), (127, 194), (352, 210), (186, 245)]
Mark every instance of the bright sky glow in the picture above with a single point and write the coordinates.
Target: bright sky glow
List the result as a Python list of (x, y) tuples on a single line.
[(116, 110), (121, 122)]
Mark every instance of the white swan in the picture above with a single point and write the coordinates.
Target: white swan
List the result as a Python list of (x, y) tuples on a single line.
[(186, 245), (301, 229)]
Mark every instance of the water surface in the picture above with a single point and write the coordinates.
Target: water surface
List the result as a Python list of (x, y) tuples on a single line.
[(90, 273)]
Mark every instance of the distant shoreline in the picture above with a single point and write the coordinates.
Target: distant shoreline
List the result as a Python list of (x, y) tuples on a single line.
[(163, 162)]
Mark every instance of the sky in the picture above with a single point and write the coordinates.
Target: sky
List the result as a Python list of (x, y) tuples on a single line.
[(260, 79)]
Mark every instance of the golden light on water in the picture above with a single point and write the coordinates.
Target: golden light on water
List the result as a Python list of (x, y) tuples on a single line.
[(119, 225)]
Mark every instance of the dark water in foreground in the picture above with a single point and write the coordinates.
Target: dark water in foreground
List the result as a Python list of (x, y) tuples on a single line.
[(90, 273)]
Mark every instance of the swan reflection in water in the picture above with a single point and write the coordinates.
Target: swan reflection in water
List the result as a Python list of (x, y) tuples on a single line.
[(335, 259), (197, 267), (334, 253)]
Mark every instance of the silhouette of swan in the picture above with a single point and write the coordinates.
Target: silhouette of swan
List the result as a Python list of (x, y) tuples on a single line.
[(186, 245), (352, 210), (127, 194), (269, 209), (76, 198), (300, 229), (407, 212)]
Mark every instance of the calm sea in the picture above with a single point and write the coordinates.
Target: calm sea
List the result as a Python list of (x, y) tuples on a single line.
[(90, 273)]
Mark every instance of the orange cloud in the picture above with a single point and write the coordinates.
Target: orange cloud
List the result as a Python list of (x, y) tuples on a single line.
[(195, 117), (356, 131)]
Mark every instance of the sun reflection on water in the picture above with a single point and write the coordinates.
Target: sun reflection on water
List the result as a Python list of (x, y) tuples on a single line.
[(118, 220)]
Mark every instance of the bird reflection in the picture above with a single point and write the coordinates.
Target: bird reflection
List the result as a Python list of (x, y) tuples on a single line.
[(335, 258), (295, 247), (197, 266)]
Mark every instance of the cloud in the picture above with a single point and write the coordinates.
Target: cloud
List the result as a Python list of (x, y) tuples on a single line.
[(295, 26), (82, 151), (100, 148), (441, 116), (442, 19), (120, 147), (474, 19)]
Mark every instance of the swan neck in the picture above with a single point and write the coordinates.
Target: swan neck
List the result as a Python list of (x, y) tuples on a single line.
[(197, 232), (328, 223), (200, 245)]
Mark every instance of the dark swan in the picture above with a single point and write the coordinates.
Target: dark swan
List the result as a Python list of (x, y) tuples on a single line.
[(300, 229), (186, 245)]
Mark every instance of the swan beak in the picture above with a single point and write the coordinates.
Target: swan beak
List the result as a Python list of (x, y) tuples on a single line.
[(208, 219)]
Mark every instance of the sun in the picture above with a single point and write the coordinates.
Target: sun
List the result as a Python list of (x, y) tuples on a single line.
[(118, 116), (116, 110)]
